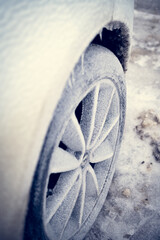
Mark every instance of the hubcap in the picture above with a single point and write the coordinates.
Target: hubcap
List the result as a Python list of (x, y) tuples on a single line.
[(80, 164)]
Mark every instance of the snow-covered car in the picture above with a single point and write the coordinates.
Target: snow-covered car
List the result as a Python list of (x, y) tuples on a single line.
[(62, 110)]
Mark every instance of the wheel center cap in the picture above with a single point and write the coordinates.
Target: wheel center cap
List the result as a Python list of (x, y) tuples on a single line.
[(86, 160)]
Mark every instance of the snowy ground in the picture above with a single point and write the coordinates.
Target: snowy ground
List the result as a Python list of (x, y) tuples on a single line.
[(132, 207)]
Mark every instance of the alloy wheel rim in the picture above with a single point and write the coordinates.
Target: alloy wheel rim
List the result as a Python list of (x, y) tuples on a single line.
[(79, 165)]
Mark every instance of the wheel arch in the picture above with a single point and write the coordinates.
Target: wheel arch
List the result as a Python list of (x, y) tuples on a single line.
[(115, 36)]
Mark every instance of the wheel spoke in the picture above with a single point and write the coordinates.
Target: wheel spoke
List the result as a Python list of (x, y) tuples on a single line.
[(73, 137), (92, 172), (82, 197), (102, 170), (79, 207), (103, 152), (59, 223), (87, 200), (63, 161), (110, 121), (62, 188), (105, 97), (108, 126), (88, 114)]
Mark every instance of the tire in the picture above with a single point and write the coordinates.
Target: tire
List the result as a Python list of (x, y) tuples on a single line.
[(77, 161)]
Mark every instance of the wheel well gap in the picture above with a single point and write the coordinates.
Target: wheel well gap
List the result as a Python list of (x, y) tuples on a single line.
[(115, 37)]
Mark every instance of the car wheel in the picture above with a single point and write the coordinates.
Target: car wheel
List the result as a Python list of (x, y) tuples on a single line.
[(77, 161)]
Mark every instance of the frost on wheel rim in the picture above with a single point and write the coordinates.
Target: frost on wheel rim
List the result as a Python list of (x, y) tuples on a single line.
[(82, 156), (77, 161)]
